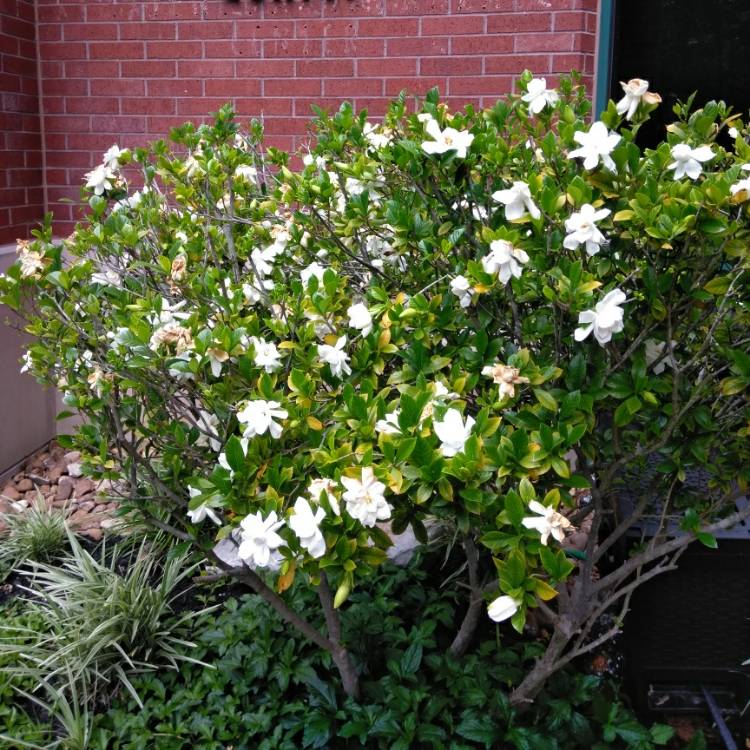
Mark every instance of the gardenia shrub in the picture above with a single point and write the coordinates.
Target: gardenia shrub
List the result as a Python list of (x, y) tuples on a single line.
[(483, 320)]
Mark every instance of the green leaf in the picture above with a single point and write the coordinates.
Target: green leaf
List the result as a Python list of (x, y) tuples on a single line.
[(718, 285), (708, 540), (526, 490), (661, 734), (546, 399), (411, 659), (235, 454)]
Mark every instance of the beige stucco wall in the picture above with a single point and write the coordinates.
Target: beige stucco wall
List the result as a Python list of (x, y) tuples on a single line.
[(27, 411)]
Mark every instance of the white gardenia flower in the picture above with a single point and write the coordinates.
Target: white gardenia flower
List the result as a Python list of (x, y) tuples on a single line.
[(654, 351), (259, 538), (107, 278), (360, 318), (604, 320), (100, 179), (687, 161), (462, 289), (258, 417), (636, 90), (741, 188), (504, 260), (517, 200), (365, 498), (217, 358), (245, 173), (375, 136), (197, 515), (538, 96), (318, 161), (453, 432), (583, 230), (506, 377), (502, 608), (389, 424), (306, 525), (31, 263), (113, 155), (335, 357), (318, 486), (208, 424), (449, 139), (267, 355), (314, 269), (170, 313), (549, 521), (598, 143), (27, 362)]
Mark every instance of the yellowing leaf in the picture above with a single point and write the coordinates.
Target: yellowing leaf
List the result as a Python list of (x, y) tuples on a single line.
[(313, 423), (286, 580), (543, 590), (624, 215), (384, 338)]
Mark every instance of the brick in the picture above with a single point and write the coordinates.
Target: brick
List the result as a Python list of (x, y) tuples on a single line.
[(329, 27), (63, 124), (414, 86), (149, 69), (114, 12), (354, 47), (487, 6), (443, 66), (145, 30), (303, 107), (396, 66), (174, 87), (200, 106), (418, 47), (92, 105), (73, 32), (49, 33), (543, 42), (88, 69), (273, 9), (124, 87), (264, 106), (115, 50), (287, 125), (475, 45), (537, 64), (16, 27), (157, 10), (264, 68), (66, 87), (493, 85), (203, 30), (453, 25), (514, 23), (566, 63), (358, 8), (62, 51), (119, 124), (416, 7), (262, 29), (205, 68), (292, 48), (295, 87), (149, 106), (570, 21), (541, 6), (325, 68), (388, 27), (234, 48), (352, 87), (174, 50), (376, 108), (233, 87)]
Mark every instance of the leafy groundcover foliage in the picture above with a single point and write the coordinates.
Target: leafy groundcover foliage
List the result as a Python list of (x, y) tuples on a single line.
[(272, 691), (477, 322)]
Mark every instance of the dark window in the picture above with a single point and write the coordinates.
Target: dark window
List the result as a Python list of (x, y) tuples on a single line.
[(681, 46)]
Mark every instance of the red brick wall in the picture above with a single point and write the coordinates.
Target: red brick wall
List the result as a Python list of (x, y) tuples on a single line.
[(126, 70), (21, 202)]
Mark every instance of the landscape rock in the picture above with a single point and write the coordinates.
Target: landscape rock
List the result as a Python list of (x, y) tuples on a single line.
[(83, 486), (24, 485), (74, 470), (64, 489), (11, 493)]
